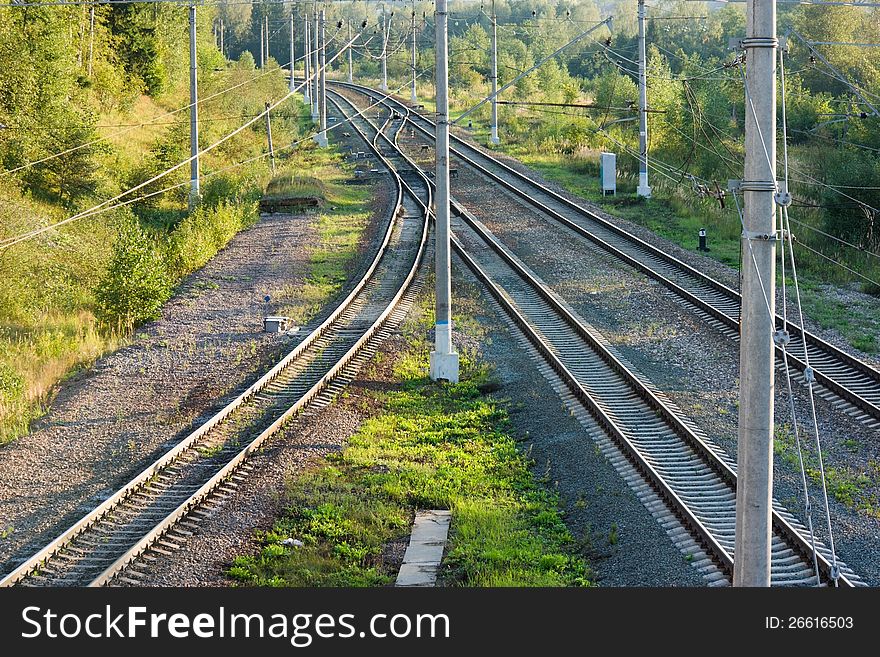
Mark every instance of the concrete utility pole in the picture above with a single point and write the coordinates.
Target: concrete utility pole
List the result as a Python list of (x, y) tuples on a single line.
[(316, 71), (194, 191), (754, 488), (350, 70), (306, 83), (269, 136), (384, 85), (413, 96), (91, 38), (262, 45), (444, 361), (643, 188), (266, 28), (321, 137), (494, 126), (292, 49)]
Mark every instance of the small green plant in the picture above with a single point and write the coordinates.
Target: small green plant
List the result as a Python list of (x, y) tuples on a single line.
[(612, 534), (210, 451)]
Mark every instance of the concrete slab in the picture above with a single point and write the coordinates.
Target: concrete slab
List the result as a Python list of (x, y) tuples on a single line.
[(425, 550)]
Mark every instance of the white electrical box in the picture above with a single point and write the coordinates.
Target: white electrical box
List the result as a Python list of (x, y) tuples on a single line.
[(608, 173), (275, 324)]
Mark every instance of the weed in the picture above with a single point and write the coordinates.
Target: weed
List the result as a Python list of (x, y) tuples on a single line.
[(612, 534)]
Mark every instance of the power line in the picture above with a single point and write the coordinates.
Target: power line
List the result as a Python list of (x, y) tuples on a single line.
[(101, 207)]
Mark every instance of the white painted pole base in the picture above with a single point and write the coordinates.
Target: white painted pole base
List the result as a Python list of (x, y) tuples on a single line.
[(413, 96), (321, 139), (444, 367), (494, 138), (643, 189)]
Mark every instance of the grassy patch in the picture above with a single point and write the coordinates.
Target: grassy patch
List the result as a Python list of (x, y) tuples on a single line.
[(668, 212), (339, 224), (75, 293), (446, 447), (856, 489)]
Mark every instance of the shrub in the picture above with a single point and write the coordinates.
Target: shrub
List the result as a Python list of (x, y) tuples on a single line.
[(137, 282), (203, 232)]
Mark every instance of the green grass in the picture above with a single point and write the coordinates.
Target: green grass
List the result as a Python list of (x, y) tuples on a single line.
[(295, 186), (52, 322), (340, 225), (430, 447), (668, 212), (857, 489)]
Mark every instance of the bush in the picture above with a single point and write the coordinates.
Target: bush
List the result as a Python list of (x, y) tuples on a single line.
[(205, 231), (137, 282)]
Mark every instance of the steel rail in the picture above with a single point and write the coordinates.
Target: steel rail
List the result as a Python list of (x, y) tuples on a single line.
[(840, 388), (793, 537), (191, 441), (722, 557), (183, 509)]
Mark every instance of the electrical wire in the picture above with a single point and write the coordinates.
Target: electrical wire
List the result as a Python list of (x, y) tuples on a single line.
[(11, 241)]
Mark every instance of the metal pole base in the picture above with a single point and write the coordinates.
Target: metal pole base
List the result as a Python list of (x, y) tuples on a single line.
[(307, 100), (321, 139), (444, 367), (494, 138), (413, 97)]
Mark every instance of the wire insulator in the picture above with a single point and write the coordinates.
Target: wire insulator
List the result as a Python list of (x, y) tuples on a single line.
[(782, 337), (783, 199)]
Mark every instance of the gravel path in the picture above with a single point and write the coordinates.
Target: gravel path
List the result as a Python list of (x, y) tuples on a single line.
[(110, 421)]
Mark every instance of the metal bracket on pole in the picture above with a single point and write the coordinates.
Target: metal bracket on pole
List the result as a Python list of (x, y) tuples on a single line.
[(759, 236), (782, 197)]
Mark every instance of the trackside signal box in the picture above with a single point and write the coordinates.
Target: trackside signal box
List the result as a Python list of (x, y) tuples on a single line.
[(608, 173)]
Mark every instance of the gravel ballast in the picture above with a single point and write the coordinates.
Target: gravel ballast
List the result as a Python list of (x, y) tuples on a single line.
[(694, 363), (623, 543)]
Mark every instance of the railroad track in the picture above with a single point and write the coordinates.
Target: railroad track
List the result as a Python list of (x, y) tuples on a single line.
[(157, 510), (686, 481), (844, 380)]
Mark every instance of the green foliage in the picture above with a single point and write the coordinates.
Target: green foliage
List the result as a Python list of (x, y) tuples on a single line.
[(11, 384), (291, 185), (145, 42), (136, 283), (203, 232)]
